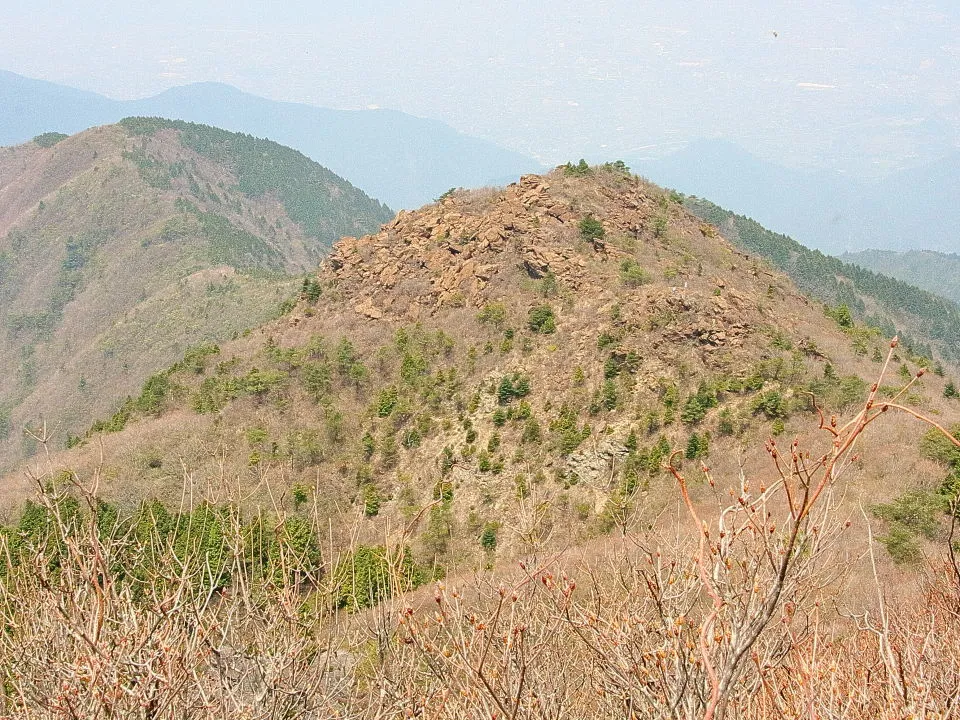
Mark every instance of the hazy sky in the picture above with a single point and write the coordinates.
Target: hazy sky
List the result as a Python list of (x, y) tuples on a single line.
[(851, 84)]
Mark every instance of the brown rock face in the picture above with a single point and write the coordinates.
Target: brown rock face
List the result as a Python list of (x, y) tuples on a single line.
[(673, 288), (452, 250)]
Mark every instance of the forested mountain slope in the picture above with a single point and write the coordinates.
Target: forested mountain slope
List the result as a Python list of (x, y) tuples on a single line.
[(928, 322), (832, 211), (934, 271), (124, 245)]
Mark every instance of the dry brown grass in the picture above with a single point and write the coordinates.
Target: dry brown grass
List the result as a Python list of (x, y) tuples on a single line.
[(741, 608)]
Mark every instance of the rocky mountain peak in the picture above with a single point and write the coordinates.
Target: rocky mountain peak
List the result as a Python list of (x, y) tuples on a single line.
[(595, 237)]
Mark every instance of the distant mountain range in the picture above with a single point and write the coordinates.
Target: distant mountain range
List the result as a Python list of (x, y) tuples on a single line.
[(915, 208), (406, 162), (402, 160)]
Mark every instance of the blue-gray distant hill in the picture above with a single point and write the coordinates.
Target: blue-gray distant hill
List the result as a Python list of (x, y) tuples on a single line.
[(835, 213), (402, 160)]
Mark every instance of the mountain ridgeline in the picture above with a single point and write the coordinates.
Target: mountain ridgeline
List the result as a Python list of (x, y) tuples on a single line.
[(124, 245), (835, 212), (404, 161), (325, 206), (516, 393), (924, 320), (502, 371)]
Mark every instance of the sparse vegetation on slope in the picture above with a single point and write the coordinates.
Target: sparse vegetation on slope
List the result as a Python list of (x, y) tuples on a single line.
[(125, 245), (214, 613), (481, 354), (479, 385)]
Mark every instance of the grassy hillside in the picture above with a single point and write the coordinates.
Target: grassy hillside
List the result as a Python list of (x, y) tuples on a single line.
[(927, 322), (588, 421), (124, 245), (933, 271), (528, 358)]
